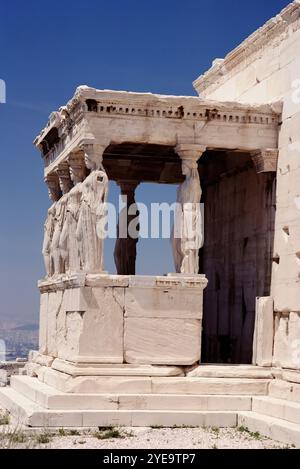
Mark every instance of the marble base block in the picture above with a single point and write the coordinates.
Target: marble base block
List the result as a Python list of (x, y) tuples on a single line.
[(91, 320)]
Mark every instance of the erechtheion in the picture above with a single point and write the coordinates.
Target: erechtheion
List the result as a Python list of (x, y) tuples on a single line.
[(216, 342)]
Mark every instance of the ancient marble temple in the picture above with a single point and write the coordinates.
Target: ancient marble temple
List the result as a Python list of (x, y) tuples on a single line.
[(131, 138), (139, 347)]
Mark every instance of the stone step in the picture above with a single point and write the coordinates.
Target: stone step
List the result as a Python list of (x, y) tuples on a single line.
[(210, 386), (231, 371), (23, 410), (153, 385), (281, 389), (278, 408), (49, 398), (276, 429), (26, 412)]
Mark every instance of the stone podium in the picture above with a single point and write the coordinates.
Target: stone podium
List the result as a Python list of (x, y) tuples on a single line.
[(122, 319), (92, 325)]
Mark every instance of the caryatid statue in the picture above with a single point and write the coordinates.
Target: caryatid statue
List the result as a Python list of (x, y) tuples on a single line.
[(125, 247), (90, 231), (68, 239), (54, 195), (59, 251), (187, 236)]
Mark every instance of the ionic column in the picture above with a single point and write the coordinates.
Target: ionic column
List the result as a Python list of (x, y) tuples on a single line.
[(188, 229), (265, 160), (127, 230)]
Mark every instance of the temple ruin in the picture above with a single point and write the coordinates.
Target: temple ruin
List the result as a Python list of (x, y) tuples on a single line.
[(217, 340)]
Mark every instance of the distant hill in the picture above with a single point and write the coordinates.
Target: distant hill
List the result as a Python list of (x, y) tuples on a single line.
[(26, 327)]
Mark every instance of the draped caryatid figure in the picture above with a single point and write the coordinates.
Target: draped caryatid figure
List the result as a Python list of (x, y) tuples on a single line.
[(59, 252), (76, 222), (68, 240), (54, 194), (90, 230), (187, 236)]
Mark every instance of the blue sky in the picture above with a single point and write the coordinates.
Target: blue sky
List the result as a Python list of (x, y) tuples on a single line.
[(47, 49)]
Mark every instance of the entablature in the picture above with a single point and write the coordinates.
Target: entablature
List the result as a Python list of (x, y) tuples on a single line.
[(117, 117)]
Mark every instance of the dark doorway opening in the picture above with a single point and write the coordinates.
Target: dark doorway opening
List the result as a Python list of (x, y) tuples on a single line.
[(237, 253)]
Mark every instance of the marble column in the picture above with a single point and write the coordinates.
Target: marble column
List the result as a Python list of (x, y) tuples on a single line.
[(127, 230), (188, 236)]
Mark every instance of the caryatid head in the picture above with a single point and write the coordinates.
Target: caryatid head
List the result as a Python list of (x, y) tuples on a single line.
[(53, 187), (65, 182), (190, 154), (93, 156), (77, 168), (189, 168)]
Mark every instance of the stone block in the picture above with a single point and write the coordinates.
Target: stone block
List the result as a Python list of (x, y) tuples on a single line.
[(96, 384), (85, 324), (55, 300), (4, 378), (107, 418), (94, 333), (163, 303), (264, 332), (162, 341), (287, 340), (210, 386), (230, 371), (291, 376), (271, 427), (184, 418), (43, 327), (124, 369), (77, 299)]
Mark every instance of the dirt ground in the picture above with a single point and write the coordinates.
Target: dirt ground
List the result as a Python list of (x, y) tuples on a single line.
[(137, 438)]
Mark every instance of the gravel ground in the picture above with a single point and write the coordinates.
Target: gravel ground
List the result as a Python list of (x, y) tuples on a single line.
[(140, 438)]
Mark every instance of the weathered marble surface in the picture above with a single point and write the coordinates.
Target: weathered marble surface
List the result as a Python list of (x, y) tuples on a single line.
[(263, 332), (74, 229), (91, 221), (187, 236), (131, 319), (265, 69)]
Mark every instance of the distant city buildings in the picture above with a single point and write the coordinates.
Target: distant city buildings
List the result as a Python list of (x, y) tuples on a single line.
[(19, 340)]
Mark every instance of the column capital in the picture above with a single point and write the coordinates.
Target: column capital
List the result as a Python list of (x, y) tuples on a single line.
[(190, 151), (265, 160), (63, 173), (53, 186)]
